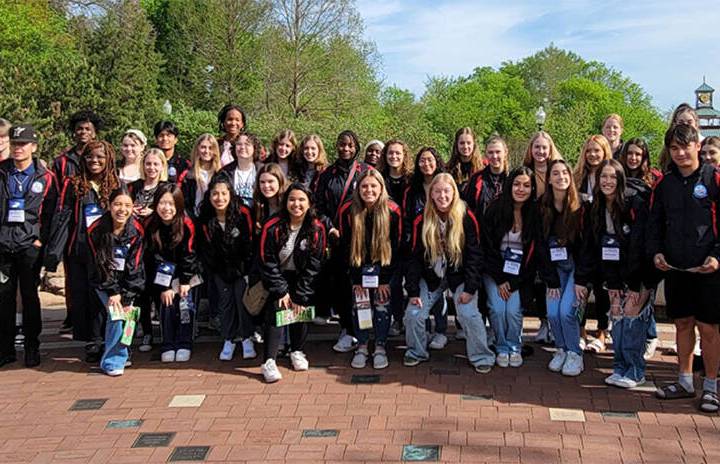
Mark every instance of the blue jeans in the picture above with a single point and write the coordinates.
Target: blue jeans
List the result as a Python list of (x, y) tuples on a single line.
[(116, 354), (381, 321), (416, 337), (629, 335), (562, 312), (506, 318)]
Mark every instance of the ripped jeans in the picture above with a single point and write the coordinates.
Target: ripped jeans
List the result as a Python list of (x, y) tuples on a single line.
[(629, 334)]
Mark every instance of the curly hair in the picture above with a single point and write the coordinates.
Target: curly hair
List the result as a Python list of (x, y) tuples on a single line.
[(108, 181)]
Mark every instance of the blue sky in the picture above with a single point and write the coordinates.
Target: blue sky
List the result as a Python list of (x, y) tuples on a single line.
[(666, 46)]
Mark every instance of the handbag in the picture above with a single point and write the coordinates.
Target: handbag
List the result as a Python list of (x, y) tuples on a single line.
[(255, 298)]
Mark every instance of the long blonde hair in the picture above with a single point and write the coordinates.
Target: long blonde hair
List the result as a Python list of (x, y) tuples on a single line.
[(381, 250), (454, 235), (582, 169), (195, 158)]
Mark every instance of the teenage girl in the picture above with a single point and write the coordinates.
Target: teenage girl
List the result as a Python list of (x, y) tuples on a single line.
[(282, 150)]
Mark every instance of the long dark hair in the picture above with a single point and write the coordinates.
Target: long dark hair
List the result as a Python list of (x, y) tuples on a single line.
[(417, 179), (309, 223), (104, 231), (154, 223), (570, 220), (109, 181), (232, 213), (505, 203), (644, 174), (599, 205)]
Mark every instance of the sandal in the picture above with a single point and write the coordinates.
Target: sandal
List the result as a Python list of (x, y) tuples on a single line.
[(596, 346), (709, 402), (673, 391)]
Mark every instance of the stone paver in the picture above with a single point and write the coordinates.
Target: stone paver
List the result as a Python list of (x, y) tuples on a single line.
[(500, 417)]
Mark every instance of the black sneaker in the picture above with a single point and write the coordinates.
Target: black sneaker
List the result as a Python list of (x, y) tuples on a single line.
[(32, 357), (92, 353)]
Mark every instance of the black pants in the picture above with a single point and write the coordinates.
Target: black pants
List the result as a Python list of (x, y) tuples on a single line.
[(334, 290), (87, 315), (22, 269), (273, 334), (234, 320), (602, 306)]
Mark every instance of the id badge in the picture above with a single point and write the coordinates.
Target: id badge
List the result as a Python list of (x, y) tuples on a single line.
[(164, 274), (557, 252), (513, 261), (92, 214), (371, 276), (610, 248), (16, 210), (364, 311), (119, 257)]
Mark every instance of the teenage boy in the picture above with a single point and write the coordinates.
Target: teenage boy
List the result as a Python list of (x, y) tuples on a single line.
[(28, 193), (166, 137), (83, 127), (682, 239)]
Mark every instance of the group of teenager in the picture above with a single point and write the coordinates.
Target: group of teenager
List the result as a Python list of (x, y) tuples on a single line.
[(382, 243)]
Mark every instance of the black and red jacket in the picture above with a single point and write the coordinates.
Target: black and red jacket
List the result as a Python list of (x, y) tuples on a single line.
[(683, 222), (227, 253), (633, 268), (188, 186), (546, 267), (395, 187), (129, 282), (413, 204), (469, 272), (137, 186), (66, 164), (482, 188), (331, 185), (494, 232), (40, 203), (394, 234), (177, 165), (68, 234), (307, 256), (183, 256), (306, 174)]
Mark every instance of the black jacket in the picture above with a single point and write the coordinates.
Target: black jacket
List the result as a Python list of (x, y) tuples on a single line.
[(395, 235), (40, 202), (413, 205), (546, 267), (492, 237), (66, 164), (632, 269), (183, 256), (177, 165), (331, 185), (683, 221), (395, 187), (228, 252), (307, 256), (480, 190), (188, 185), (469, 272), (129, 282), (137, 186)]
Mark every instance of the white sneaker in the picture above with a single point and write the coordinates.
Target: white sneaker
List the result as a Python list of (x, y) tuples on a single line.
[(256, 337), (228, 351), (168, 356), (573, 364), (438, 342), (557, 361), (613, 379), (270, 371), (299, 361), (317, 320), (502, 360), (248, 349), (583, 344), (359, 360), (380, 359), (543, 332), (460, 334), (516, 360), (145, 344), (697, 351), (650, 348), (345, 342), (115, 372), (182, 356), (625, 382)]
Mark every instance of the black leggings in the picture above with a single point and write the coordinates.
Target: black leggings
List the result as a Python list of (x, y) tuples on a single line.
[(602, 306), (273, 334)]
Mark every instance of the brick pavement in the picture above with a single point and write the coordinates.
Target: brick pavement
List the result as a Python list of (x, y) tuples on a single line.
[(501, 417)]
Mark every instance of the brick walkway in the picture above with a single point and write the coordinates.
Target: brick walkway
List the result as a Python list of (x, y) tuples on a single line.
[(323, 416)]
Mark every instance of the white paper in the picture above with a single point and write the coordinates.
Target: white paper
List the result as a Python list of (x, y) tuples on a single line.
[(558, 254)]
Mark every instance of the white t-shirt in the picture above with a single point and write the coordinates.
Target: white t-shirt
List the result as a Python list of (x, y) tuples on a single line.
[(244, 183)]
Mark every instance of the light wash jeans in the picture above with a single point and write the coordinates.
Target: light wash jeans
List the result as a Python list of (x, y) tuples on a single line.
[(562, 313), (116, 354), (506, 318), (416, 337), (629, 335)]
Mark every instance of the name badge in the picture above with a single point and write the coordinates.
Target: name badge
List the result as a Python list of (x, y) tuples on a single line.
[(119, 258), (371, 276), (513, 261), (610, 248), (557, 252), (364, 311), (164, 274), (92, 214), (16, 210), (172, 172)]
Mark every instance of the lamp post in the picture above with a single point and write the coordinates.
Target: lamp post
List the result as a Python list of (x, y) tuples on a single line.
[(167, 107), (540, 118)]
